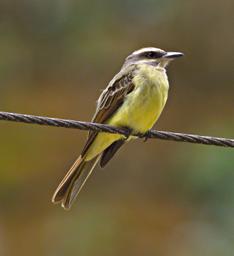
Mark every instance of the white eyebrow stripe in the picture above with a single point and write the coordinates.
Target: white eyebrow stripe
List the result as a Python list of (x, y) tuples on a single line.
[(147, 50)]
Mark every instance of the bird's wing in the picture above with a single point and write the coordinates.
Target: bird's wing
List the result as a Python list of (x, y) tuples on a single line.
[(111, 99)]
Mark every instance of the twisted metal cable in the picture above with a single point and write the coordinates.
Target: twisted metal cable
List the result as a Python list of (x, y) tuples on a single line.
[(163, 135)]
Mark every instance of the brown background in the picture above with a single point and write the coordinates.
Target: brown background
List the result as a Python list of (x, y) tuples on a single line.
[(155, 198)]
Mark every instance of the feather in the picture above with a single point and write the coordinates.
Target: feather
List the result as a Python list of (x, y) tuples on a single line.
[(73, 182), (109, 152)]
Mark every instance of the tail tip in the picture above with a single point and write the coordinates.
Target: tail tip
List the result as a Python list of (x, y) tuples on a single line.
[(63, 203)]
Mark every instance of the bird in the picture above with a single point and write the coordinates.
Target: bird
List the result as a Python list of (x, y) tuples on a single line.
[(133, 99)]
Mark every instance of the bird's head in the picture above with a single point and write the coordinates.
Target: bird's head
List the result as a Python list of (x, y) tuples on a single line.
[(152, 56)]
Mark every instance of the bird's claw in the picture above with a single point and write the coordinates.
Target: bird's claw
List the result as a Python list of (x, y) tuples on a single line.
[(146, 136), (128, 132)]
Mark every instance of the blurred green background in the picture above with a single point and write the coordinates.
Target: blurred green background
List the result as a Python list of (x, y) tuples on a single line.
[(155, 198)]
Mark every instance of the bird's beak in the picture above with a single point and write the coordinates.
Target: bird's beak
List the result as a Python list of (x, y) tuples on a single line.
[(173, 55)]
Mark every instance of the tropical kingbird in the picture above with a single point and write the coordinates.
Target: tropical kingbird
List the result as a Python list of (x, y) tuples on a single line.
[(133, 99)]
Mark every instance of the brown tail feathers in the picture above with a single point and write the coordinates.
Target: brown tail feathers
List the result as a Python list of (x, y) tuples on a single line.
[(73, 182)]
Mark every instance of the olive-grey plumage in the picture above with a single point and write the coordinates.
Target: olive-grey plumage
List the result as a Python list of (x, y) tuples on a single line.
[(128, 101)]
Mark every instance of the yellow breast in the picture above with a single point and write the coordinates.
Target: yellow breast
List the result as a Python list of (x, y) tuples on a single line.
[(143, 106)]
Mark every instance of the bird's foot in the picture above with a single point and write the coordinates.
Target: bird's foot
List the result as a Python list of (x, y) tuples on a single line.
[(128, 132), (146, 136)]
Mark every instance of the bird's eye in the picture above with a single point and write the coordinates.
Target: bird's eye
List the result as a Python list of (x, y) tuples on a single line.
[(150, 54), (154, 55)]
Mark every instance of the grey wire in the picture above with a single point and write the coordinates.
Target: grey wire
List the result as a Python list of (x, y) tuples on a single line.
[(163, 135)]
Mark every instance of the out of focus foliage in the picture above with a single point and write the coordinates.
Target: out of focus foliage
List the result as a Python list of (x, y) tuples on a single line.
[(154, 198)]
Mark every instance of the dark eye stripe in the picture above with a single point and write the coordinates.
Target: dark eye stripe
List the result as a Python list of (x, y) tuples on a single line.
[(154, 55)]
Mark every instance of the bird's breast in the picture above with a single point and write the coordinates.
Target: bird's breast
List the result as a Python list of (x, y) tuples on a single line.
[(143, 106)]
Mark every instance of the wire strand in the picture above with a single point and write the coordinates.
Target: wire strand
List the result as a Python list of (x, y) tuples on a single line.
[(152, 134)]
